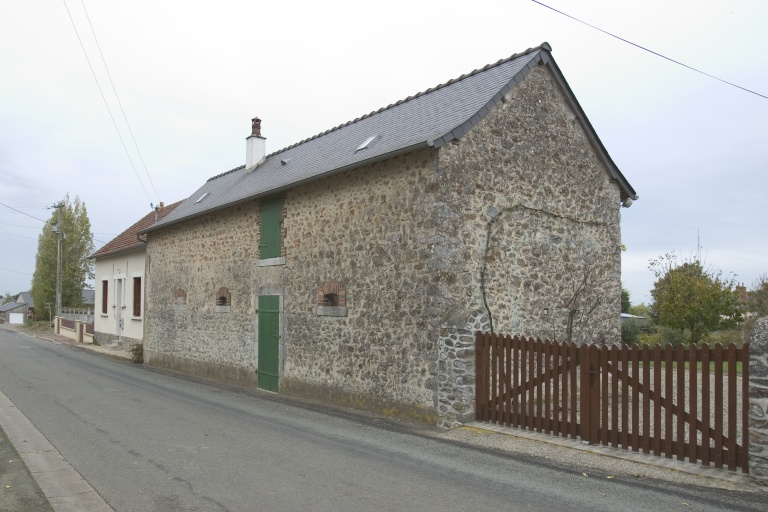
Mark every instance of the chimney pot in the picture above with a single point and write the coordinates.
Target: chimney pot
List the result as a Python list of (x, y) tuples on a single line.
[(255, 148)]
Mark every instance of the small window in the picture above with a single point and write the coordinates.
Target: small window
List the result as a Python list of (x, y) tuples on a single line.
[(331, 300), (180, 297), (137, 296), (223, 300), (104, 296)]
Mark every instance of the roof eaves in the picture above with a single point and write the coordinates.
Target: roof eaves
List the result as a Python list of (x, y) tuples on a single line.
[(120, 250)]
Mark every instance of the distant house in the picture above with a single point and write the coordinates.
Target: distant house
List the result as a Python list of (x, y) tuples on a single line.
[(354, 266), (14, 313), (118, 298), (626, 317), (26, 299)]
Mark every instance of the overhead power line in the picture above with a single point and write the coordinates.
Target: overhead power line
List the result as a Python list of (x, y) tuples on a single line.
[(114, 89), (106, 104), (18, 225), (16, 271), (20, 236), (650, 51), (21, 212)]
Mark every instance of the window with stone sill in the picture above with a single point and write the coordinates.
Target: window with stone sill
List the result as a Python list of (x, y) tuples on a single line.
[(331, 300), (223, 301)]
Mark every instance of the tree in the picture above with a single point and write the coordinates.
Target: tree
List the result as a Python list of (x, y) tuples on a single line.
[(76, 246), (625, 302), (691, 299), (6, 298), (757, 297)]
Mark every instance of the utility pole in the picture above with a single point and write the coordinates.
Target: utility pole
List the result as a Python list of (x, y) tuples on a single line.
[(59, 238)]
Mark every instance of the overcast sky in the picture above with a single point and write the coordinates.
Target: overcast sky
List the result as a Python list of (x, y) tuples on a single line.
[(190, 75)]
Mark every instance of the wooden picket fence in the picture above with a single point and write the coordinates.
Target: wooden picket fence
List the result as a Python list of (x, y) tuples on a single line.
[(689, 403)]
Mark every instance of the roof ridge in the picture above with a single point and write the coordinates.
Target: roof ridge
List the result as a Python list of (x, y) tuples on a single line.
[(543, 46), (225, 173)]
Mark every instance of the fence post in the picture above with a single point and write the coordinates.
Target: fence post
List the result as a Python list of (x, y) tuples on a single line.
[(584, 390), (758, 401)]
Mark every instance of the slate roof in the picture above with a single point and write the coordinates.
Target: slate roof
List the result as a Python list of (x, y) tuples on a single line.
[(11, 306), (89, 297), (127, 240), (26, 298), (427, 119)]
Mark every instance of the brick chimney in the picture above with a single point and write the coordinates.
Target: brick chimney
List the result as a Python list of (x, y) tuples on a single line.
[(255, 146), (741, 293)]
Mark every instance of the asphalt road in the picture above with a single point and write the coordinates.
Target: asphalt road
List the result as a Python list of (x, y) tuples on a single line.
[(149, 440)]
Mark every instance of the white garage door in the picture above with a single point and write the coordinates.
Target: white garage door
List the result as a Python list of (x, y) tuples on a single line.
[(17, 318)]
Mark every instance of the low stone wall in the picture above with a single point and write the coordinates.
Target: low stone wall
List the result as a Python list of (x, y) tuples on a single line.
[(124, 342), (758, 401)]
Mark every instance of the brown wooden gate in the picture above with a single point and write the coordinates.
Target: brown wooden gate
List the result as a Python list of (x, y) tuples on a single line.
[(688, 403)]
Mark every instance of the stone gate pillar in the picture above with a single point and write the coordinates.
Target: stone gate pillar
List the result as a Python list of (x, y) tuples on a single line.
[(758, 401), (456, 372)]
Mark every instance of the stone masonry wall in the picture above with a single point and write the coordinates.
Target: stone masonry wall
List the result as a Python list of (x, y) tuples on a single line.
[(758, 401), (369, 230), (201, 256), (535, 214)]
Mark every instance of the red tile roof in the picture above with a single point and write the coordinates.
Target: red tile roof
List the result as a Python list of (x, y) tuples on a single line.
[(127, 240)]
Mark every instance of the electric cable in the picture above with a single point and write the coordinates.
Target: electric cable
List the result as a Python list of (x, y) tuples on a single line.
[(105, 101), (21, 212), (114, 89), (650, 51)]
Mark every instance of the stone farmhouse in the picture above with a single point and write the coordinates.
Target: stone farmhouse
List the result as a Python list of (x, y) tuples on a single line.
[(354, 266), (120, 281)]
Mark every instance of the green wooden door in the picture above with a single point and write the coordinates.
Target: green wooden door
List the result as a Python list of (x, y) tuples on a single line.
[(269, 342)]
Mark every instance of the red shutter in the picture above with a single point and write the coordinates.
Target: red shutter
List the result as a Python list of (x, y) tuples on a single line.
[(136, 296)]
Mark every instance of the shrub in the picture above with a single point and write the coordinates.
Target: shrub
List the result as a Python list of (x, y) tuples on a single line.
[(660, 336), (137, 353)]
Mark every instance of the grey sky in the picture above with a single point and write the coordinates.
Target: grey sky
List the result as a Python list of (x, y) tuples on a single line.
[(190, 75)]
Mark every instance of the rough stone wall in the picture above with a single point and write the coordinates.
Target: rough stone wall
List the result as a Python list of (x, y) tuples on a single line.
[(201, 256), (369, 230), (531, 213), (758, 401)]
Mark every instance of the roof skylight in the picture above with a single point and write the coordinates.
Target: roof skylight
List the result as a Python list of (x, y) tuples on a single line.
[(368, 142), (201, 198)]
